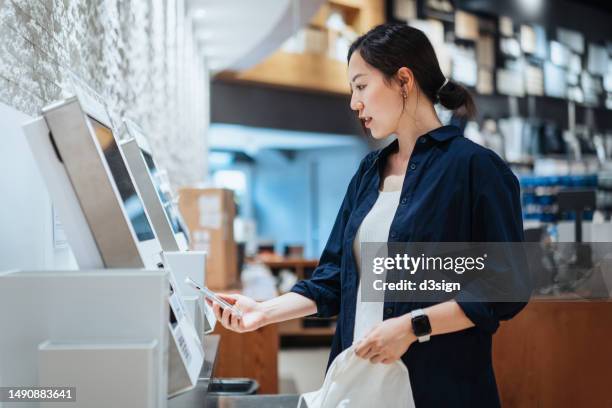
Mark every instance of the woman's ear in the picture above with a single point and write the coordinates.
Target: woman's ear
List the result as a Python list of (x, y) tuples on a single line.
[(406, 79)]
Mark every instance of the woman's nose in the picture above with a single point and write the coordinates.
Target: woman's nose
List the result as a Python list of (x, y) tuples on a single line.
[(356, 106)]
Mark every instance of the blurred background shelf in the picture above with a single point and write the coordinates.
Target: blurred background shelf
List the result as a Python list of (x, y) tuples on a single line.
[(313, 72), (299, 266), (295, 328)]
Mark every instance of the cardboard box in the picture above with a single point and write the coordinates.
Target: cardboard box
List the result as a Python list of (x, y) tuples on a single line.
[(209, 214)]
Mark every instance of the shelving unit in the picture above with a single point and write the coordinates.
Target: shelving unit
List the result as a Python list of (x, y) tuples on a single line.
[(308, 70)]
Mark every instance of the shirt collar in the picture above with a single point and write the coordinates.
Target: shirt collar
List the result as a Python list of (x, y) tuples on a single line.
[(441, 134), (444, 133)]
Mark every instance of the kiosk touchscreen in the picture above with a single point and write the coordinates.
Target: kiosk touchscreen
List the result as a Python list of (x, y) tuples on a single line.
[(164, 216)]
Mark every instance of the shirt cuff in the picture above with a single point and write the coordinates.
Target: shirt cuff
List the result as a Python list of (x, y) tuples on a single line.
[(327, 303), (480, 313)]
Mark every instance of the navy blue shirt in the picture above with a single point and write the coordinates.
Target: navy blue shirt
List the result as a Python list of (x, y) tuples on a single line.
[(454, 191)]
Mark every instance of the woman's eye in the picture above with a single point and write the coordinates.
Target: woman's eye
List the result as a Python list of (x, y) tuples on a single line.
[(360, 87)]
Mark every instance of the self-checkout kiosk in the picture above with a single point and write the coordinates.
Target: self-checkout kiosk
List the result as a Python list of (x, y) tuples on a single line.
[(167, 222), (120, 320)]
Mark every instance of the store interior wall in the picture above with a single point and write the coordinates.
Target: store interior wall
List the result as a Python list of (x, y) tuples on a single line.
[(297, 200), (335, 168), (280, 197)]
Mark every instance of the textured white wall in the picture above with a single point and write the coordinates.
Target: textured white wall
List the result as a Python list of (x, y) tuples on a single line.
[(139, 55)]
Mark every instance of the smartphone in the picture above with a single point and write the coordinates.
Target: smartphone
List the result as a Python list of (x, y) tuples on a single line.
[(207, 293)]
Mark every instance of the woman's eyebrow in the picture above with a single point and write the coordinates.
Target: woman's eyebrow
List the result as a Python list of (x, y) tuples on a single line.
[(356, 76)]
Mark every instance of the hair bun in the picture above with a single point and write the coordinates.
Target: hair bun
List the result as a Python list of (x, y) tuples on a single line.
[(457, 98)]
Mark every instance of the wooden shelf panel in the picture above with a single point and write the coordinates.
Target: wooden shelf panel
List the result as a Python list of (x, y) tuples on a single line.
[(298, 71)]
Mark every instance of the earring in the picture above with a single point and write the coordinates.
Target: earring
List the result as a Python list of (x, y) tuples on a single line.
[(404, 95)]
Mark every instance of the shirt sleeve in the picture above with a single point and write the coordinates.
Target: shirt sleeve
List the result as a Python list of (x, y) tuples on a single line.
[(324, 287), (496, 217)]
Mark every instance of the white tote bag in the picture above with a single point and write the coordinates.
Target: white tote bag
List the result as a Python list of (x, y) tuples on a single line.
[(354, 382)]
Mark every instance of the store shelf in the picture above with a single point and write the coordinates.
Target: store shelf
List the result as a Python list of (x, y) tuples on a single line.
[(314, 72)]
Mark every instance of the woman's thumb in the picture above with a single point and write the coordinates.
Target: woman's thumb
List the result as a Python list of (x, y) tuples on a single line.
[(229, 298)]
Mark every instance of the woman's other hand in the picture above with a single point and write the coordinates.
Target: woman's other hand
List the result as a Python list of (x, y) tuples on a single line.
[(252, 314), (388, 341)]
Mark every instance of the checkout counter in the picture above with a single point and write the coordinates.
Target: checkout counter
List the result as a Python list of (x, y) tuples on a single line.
[(556, 353)]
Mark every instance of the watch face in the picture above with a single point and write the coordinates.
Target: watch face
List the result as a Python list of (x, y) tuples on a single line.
[(421, 326)]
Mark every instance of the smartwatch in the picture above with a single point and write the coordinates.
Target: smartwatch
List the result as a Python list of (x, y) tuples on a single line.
[(420, 325)]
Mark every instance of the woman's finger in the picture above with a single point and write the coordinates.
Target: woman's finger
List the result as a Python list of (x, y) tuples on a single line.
[(363, 346), (225, 318), (231, 299), (236, 323), (376, 358), (359, 348), (365, 351), (217, 311), (372, 351)]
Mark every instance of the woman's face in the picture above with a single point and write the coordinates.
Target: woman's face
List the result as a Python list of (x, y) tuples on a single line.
[(378, 103)]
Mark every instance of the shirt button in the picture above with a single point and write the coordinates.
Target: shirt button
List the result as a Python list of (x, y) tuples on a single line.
[(404, 200), (422, 139), (393, 234), (412, 166), (388, 311)]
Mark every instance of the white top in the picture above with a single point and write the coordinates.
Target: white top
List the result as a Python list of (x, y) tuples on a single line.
[(374, 228)]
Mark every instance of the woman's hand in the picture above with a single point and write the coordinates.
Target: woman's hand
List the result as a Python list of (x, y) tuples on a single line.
[(252, 314), (388, 341)]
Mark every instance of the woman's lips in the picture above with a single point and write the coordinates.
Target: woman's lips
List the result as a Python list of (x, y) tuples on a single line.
[(367, 122)]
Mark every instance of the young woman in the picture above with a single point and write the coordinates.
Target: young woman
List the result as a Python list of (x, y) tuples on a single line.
[(429, 185)]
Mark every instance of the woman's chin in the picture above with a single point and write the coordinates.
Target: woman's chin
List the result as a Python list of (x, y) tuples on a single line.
[(379, 135)]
